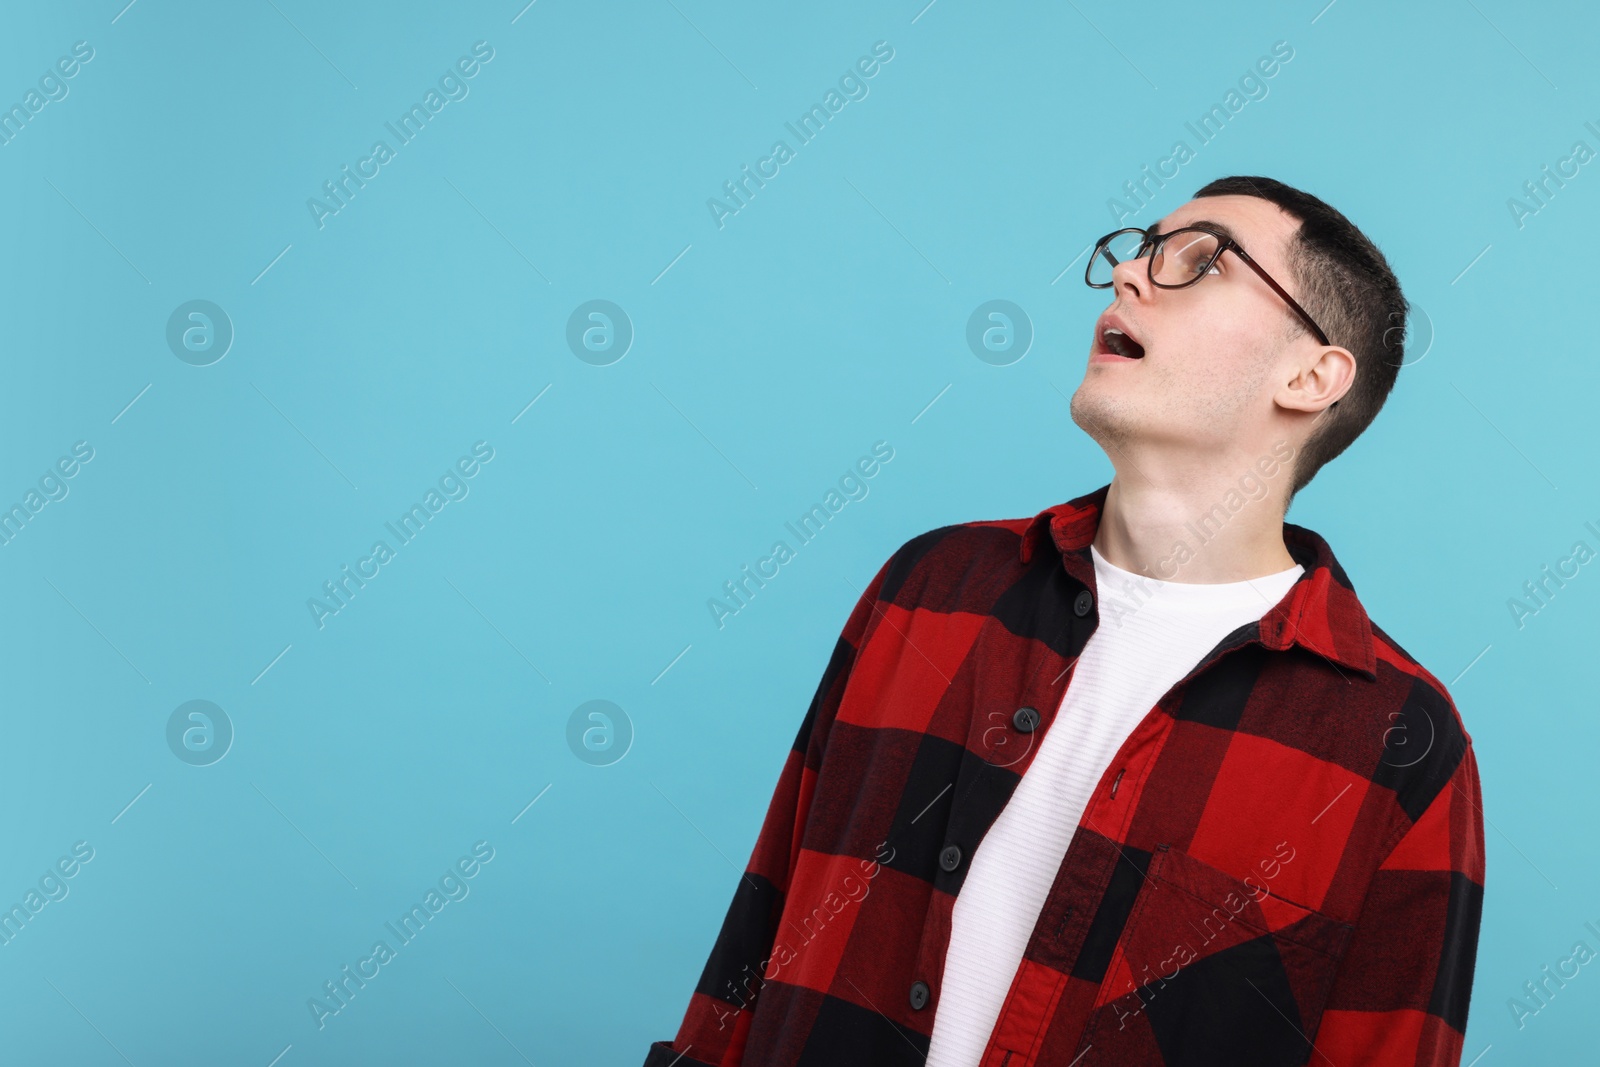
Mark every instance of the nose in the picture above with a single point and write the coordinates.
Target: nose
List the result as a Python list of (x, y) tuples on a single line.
[(1131, 276)]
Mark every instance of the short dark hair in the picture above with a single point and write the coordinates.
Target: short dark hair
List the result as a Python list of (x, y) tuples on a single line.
[(1346, 285)]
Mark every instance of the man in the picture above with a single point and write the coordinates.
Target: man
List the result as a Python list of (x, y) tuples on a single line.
[(1136, 780)]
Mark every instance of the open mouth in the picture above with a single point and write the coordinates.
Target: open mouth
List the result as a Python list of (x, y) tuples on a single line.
[(1115, 341)]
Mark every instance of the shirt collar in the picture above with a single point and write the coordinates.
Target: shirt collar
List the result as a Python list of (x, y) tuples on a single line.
[(1320, 611)]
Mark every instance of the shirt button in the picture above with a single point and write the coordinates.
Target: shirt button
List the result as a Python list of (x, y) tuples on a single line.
[(950, 857), (1083, 604), (1025, 720), (919, 995)]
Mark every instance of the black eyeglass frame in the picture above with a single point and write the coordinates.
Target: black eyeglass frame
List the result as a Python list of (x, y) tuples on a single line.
[(1152, 245)]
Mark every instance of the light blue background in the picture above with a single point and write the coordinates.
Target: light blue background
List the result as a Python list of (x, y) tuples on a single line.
[(769, 355)]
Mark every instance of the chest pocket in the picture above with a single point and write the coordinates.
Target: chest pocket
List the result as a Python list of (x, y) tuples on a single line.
[(1210, 969)]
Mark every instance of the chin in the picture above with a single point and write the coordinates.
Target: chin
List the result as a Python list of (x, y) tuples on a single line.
[(1101, 417)]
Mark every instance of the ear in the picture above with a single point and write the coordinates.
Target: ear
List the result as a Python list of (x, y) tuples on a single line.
[(1317, 385)]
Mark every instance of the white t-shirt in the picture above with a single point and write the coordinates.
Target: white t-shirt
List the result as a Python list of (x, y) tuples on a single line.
[(1151, 633)]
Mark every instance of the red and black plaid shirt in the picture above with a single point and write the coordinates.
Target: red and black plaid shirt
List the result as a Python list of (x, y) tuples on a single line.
[(1287, 849)]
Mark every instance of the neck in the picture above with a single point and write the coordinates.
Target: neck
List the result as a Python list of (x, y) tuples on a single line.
[(1204, 532)]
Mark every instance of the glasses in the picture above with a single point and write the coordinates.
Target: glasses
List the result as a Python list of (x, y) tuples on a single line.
[(1178, 260)]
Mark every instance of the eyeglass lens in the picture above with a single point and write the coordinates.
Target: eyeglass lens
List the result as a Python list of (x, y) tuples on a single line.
[(1181, 258)]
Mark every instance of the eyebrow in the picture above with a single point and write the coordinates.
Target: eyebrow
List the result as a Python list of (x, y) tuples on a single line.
[(1220, 227)]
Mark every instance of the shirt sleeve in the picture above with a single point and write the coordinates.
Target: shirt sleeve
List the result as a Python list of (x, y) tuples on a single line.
[(1401, 995), (717, 1021)]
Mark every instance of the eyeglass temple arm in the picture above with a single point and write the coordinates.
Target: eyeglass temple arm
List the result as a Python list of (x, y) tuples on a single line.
[(1322, 338)]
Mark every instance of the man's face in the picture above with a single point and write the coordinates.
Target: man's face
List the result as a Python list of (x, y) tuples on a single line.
[(1214, 353)]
